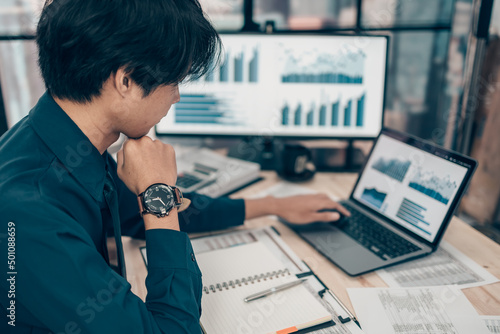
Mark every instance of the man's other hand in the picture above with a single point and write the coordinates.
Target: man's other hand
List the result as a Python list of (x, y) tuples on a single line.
[(300, 209), (304, 209)]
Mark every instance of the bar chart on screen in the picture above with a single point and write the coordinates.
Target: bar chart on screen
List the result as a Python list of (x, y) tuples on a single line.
[(413, 214), (238, 65), (206, 109), (287, 86), (325, 114), (394, 168)]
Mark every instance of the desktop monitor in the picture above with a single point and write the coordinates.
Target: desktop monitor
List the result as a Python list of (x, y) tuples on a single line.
[(3, 116), (284, 85)]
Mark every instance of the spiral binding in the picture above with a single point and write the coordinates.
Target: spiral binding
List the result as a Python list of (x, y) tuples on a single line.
[(245, 281)]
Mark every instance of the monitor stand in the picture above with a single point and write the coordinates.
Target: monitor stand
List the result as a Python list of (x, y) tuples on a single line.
[(262, 150), (354, 158)]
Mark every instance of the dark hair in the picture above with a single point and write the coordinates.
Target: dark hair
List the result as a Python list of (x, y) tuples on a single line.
[(160, 42)]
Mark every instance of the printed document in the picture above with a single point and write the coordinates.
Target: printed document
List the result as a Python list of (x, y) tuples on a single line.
[(492, 322), (435, 310), (446, 266)]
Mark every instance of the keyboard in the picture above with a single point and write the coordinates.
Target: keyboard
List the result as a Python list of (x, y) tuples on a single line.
[(186, 180), (373, 236), (208, 173)]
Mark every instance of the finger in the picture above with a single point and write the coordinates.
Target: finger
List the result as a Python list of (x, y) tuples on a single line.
[(340, 208), (120, 158), (325, 217), (125, 144), (331, 204)]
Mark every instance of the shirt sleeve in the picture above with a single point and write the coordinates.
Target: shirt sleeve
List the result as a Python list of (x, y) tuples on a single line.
[(66, 285), (208, 214)]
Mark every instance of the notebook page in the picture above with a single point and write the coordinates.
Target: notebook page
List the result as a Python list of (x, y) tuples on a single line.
[(225, 312), (223, 309), (237, 262)]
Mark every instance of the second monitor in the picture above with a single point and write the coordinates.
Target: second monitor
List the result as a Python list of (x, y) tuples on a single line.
[(305, 86)]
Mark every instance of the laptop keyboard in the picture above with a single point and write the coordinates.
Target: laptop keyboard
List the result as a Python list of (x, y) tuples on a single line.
[(381, 241)]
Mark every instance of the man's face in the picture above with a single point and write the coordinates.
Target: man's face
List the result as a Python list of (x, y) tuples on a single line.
[(145, 112)]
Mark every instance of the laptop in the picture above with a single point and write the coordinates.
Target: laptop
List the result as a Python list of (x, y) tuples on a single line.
[(403, 200)]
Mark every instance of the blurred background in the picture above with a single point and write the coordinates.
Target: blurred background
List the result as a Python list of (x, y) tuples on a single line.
[(443, 81)]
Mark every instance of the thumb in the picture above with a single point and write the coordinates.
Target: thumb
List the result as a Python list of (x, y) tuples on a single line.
[(326, 216)]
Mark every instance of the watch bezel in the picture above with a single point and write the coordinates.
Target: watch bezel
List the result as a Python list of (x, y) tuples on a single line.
[(165, 210)]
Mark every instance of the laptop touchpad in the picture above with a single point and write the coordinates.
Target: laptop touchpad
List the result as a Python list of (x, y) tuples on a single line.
[(325, 237)]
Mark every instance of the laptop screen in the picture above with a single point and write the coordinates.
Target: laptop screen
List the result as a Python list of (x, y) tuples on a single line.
[(411, 186)]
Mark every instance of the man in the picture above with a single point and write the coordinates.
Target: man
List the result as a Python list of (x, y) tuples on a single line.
[(110, 67)]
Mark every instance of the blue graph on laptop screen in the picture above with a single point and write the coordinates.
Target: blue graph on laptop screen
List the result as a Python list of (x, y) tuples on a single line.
[(290, 86), (409, 186)]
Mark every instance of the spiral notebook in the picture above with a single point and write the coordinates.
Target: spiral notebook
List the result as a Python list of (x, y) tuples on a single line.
[(231, 274)]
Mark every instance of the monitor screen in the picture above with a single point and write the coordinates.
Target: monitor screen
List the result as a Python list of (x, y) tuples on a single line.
[(411, 186), (305, 86)]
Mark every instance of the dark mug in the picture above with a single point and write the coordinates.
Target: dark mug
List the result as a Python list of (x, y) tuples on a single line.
[(295, 163)]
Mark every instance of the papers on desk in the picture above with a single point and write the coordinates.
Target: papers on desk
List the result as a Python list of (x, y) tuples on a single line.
[(436, 310), (284, 189), (268, 237), (446, 266), (492, 322)]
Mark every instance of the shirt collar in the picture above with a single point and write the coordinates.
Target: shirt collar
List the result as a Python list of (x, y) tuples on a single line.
[(71, 146)]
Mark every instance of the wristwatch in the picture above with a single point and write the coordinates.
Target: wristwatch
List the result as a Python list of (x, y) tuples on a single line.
[(159, 199)]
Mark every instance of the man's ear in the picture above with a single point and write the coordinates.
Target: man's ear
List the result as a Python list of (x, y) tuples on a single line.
[(122, 82)]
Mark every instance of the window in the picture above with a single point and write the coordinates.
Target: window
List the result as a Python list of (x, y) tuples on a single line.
[(19, 17), (393, 14), (224, 14), (306, 15), (427, 49)]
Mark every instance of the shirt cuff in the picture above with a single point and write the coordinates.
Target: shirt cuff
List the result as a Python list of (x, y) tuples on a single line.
[(169, 249)]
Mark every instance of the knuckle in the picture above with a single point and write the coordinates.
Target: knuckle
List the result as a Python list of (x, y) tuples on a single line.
[(143, 142), (168, 147), (127, 147), (133, 142)]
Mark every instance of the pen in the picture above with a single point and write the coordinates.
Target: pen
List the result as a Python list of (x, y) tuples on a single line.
[(275, 289), (344, 307)]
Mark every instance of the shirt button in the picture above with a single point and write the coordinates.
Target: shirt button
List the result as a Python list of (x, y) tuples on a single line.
[(192, 257)]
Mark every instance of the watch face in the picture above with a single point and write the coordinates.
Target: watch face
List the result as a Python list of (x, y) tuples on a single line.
[(159, 199)]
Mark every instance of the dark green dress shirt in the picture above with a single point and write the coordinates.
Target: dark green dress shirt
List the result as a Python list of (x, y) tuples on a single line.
[(58, 199)]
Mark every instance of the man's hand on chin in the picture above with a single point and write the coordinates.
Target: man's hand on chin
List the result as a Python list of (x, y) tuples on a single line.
[(143, 162)]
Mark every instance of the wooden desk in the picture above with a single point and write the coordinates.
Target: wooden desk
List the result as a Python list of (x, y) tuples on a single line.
[(479, 248)]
